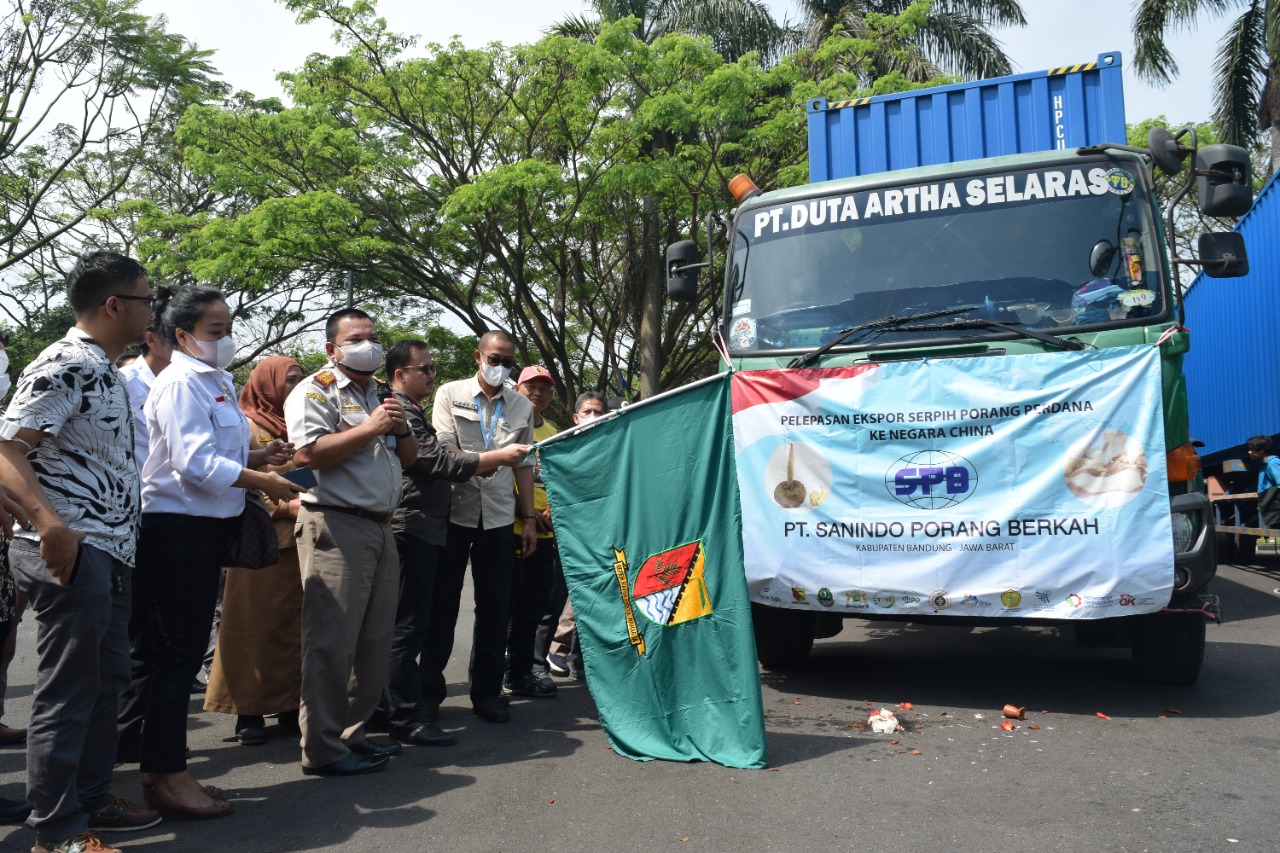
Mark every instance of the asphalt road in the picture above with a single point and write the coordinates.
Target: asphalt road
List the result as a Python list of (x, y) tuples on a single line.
[(1173, 769)]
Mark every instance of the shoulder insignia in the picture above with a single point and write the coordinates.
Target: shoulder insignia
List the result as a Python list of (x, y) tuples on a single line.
[(326, 378), (319, 398)]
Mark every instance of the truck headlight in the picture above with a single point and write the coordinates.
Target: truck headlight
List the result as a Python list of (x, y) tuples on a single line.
[(1184, 532)]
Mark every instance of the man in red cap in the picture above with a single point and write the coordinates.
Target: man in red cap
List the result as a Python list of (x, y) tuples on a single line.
[(531, 593)]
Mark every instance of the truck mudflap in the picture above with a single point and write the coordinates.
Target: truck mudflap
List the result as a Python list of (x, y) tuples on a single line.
[(1196, 565)]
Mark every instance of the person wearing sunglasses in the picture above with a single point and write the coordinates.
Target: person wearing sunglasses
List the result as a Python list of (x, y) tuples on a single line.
[(66, 450), (477, 414), (421, 525)]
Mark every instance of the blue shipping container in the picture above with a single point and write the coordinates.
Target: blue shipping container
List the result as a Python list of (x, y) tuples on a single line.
[(1233, 368), (1069, 107)]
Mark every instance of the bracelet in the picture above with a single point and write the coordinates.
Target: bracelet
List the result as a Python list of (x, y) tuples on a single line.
[(527, 517)]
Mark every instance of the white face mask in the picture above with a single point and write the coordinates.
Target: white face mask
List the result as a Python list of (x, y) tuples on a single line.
[(219, 353), (584, 418), (494, 374), (362, 356)]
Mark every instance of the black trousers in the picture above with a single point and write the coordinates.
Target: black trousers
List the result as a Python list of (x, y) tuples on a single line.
[(530, 602), (174, 592), (410, 667), (492, 562), (550, 621)]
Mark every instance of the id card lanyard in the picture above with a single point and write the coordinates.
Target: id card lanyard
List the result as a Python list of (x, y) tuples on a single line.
[(487, 433)]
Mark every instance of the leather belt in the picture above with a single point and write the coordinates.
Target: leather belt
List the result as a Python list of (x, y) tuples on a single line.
[(379, 517)]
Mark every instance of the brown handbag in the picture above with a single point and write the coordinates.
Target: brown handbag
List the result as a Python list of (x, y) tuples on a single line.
[(255, 544)]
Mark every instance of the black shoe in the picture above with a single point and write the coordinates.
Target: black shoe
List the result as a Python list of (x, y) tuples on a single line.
[(251, 731), (368, 747), (13, 811), (491, 709), (350, 765), (536, 684), (427, 734)]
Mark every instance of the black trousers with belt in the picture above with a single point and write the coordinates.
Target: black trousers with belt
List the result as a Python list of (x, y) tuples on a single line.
[(492, 562), (175, 589)]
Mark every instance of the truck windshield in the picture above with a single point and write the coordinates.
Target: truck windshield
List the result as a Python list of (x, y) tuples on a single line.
[(1049, 248)]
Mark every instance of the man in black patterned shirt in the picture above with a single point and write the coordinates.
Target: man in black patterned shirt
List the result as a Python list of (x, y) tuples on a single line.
[(66, 446)]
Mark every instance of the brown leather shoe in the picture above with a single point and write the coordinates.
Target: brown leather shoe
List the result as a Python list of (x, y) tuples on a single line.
[(213, 792), (172, 810), (10, 736)]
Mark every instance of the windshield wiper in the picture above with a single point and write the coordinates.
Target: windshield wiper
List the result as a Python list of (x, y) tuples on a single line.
[(883, 323), (1054, 340)]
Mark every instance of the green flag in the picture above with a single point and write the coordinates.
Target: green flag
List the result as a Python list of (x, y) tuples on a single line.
[(649, 526)]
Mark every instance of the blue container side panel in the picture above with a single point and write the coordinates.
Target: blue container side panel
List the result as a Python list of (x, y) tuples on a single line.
[(1233, 368), (968, 121)]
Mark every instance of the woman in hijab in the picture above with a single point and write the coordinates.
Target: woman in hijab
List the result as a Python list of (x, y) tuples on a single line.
[(257, 667)]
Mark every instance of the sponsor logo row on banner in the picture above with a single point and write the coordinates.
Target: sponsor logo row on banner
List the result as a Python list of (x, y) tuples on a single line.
[(1042, 601)]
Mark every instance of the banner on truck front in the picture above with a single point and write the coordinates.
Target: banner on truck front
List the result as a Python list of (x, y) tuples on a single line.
[(1027, 486)]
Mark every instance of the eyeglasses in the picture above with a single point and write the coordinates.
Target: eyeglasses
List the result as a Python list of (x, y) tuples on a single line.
[(427, 369), (494, 360), (150, 299)]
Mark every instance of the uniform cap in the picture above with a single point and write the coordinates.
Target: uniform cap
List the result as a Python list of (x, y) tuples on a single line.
[(535, 371)]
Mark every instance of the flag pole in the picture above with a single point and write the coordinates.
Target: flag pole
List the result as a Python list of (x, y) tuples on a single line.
[(617, 413)]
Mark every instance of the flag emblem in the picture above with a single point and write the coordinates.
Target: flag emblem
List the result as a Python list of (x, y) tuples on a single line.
[(671, 587)]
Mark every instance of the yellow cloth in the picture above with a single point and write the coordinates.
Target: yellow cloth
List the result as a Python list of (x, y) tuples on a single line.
[(541, 432)]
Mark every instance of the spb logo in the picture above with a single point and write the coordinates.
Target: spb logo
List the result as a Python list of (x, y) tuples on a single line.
[(931, 479)]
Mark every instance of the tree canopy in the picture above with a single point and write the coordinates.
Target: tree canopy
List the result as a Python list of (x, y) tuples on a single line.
[(528, 187)]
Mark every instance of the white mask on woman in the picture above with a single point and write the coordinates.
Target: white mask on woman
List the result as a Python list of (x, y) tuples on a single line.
[(219, 353)]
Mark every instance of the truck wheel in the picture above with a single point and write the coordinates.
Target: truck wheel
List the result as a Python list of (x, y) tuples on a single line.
[(1169, 647), (1247, 550), (783, 637)]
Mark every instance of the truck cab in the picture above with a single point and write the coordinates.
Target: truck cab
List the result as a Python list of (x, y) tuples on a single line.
[(1005, 258)]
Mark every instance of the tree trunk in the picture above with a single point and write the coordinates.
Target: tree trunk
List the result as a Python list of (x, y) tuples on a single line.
[(651, 300), (1275, 148)]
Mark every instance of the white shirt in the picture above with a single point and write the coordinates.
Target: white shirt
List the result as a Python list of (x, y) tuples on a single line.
[(199, 442), (138, 378), (4, 373)]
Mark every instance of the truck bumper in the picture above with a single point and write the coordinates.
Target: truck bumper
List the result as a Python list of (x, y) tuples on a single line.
[(1195, 559)]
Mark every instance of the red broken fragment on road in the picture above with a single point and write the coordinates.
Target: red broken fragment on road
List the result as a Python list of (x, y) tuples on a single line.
[(1007, 725), (1102, 716), (905, 706)]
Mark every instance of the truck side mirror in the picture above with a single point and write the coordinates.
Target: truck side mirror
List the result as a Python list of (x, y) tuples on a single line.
[(682, 282), (1164, 150), (1227, 189), (1222, 255), (1100, 258)]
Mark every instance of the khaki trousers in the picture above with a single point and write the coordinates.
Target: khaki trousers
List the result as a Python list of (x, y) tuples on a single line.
[(350, 582)]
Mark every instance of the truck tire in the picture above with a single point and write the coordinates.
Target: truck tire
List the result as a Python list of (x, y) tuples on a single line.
[(1169, 647), (1247, 550), (783, 637)]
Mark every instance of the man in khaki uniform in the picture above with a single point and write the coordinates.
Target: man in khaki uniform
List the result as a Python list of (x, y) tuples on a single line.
[(480, 414), (357, 445)]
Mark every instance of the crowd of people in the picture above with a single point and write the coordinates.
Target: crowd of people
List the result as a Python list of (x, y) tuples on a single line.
[(128, 494)]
